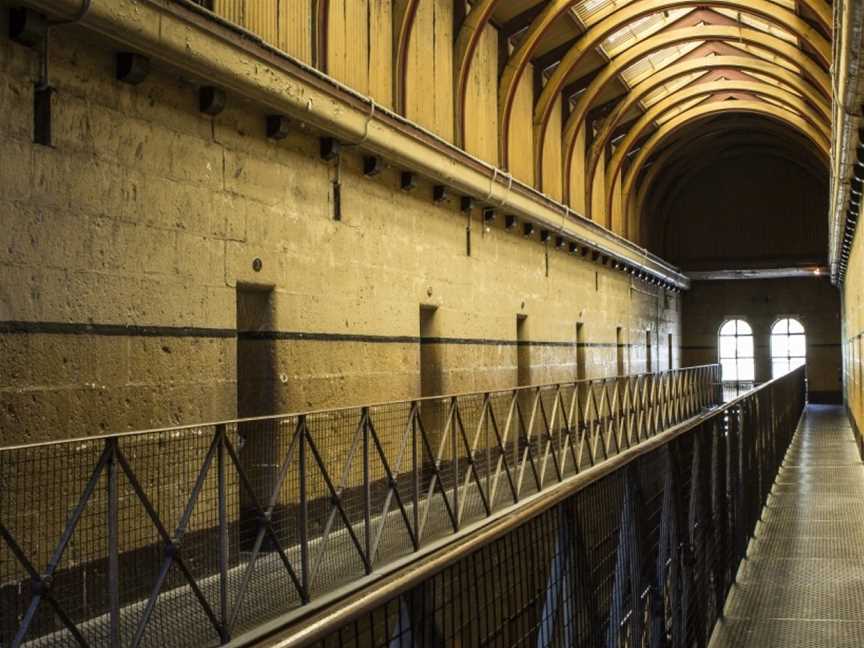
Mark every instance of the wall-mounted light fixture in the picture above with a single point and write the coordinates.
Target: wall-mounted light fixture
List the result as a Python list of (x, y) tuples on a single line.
[(330, 148), (211, 100), (131, 68), (277, 127), (408, 181), (372, 165)]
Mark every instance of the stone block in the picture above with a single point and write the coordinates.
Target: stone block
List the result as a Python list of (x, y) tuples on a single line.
[(17, 351), (193, 159), (17, 174)]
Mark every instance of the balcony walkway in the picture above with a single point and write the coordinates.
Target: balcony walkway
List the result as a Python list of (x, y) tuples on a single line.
[(802, 584)]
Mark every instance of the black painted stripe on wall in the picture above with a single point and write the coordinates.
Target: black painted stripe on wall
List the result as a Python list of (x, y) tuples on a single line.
[(326, 337), (412, 339), (86, 328)]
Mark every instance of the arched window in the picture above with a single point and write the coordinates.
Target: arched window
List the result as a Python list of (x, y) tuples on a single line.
[(736, 351), (788, 346)]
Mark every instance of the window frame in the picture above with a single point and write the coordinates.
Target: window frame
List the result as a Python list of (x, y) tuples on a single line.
[(737, 358), (788, 358)]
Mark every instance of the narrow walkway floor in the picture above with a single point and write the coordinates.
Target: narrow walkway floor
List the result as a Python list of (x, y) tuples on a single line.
[(802, 584)]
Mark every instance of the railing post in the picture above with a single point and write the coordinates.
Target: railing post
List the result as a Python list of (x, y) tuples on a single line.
[(304, 509), (416, 472), (367, 492), (113, 542), (454, 448), (224, 612)]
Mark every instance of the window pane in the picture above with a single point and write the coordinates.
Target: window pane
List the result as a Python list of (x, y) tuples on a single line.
[(797, 346), (728, 328), (795, 326), (781, 327), (745, 346), (744, 328), (778, 368), (730, 371), (797, 362), (745, 370), (779, 346), (727, 347)]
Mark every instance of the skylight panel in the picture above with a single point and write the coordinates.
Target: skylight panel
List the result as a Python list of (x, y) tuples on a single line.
[(755, 22), (588, 11), (648, 65), (640, 29)]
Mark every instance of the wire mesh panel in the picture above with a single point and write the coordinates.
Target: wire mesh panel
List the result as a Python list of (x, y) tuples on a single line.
[(193, 535), (642, 555)]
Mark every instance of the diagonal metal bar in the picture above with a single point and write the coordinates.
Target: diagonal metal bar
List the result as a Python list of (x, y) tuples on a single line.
[(393, 489), (265, 529), (434, 483), (550, 442), (337, 493), (472, 468), (43, 581), (302, 590), (172, 545), (337, 502), (36, 578), (501, 463), (526, 457)]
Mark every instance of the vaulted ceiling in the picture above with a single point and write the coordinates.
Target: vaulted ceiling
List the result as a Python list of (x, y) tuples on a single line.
[(635, 74)]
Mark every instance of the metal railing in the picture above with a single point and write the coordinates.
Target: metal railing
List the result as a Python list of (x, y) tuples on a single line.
[(189, 536), (732, 389), (639, 551)]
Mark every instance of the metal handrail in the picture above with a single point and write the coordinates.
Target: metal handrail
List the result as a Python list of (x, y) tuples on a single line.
[(759, 423), (245, 520), (271, 417)]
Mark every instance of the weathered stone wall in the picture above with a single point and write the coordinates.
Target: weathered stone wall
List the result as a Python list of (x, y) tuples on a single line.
[(124, 243), (853, 333), (812, 301)]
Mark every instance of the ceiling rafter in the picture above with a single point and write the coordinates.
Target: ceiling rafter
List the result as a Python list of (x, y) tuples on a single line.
[(704, 33), (777, 73), (609, 24), (758, 88)]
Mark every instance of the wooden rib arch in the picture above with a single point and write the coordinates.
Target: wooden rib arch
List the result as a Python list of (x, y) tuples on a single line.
[(664, 76), (793, 102), (676, 36), (466, 46), (616, 20), (404, 13), (322, 19)]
